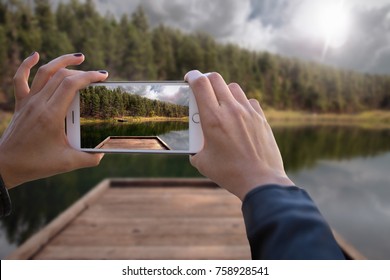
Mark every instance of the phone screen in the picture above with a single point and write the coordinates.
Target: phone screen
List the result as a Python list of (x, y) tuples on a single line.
[(135, 116)]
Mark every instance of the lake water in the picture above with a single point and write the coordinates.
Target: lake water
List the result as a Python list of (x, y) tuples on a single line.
[(173, 133), (345, 169)]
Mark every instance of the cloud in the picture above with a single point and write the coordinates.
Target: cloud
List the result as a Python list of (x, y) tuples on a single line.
[(369, 42), (273, 25), (218, 17), (173, 93), (285, 27), (276, 13)]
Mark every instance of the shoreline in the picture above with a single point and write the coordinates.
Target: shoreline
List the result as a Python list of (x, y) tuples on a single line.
[(133, 120), (368, 119)]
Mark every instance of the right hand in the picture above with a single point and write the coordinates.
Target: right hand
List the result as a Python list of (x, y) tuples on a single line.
[(35, 145), (240, 152)]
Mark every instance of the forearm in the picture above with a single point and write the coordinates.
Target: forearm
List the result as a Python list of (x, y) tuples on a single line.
[(284, 223)]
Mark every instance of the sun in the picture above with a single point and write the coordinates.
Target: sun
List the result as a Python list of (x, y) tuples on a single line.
[(334, 23), (326, 22)]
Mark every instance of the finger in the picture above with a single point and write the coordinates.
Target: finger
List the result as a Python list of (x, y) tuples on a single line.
[(22, 74), (203, 92), (222, 91), (256, 105), (238, 94), (193, 160), (46, 71), (51, 86), (63, 96), (83, 159)]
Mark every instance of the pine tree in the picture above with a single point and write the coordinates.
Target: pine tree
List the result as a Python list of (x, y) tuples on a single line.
[(53, 41)]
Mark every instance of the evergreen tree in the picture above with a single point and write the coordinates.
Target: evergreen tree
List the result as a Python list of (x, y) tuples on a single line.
[(163, 54), (53, 41), (130, 50)]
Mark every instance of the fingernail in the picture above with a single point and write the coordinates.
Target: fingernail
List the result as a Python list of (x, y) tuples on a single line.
[(103, 72), (192, 75), (78, 54), (32, 53)]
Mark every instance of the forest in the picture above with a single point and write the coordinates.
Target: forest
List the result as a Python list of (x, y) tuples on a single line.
[(100, 102), (130, 49)]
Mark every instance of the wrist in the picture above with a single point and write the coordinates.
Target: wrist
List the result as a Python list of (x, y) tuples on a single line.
[(259, 181)]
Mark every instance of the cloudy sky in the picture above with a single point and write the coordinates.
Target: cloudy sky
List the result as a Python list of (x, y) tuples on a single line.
[(353, 34), (173, 93)]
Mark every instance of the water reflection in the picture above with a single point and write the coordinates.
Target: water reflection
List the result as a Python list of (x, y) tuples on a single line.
[(354, 196), (94, 134), (340, 167), (302, 147)]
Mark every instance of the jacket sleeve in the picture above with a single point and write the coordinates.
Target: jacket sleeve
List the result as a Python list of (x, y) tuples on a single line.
[(284, 223)]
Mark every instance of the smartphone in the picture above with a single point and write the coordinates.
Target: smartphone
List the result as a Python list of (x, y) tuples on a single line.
[(135, 117)]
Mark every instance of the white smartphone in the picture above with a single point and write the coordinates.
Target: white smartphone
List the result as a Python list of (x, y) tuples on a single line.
[(135, 117)]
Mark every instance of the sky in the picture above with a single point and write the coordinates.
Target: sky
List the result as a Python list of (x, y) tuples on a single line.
[(173, 93), (351, 34)]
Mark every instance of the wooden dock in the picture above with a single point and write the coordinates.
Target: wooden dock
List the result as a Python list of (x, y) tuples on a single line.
[(147, 219), (133, 143)]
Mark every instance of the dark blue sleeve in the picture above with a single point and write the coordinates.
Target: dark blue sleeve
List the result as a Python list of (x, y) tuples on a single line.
[(284, 223)]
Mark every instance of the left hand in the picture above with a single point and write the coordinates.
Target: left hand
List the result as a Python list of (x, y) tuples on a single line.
[(35, 145)]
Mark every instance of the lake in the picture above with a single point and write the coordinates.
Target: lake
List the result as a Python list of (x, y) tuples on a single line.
[(173, 133), (345, 170)]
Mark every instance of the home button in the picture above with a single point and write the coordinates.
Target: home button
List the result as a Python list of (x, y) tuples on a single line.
[(196, 118)]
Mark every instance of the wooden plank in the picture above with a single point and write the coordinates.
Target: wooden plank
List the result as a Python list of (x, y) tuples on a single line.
[(158, 226), (153, 213), (170, 191), (170, 252), (41, 238), (132, 211), (134, 239), (202, 183), (133, 143), (148, 219), (167, 200), (128, 220)]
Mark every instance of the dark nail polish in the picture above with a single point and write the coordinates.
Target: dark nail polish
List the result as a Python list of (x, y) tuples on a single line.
[(32, 54), (103, 72), (78, 54)]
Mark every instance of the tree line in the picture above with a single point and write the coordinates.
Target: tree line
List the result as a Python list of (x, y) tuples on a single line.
[(131, 50), (100, 102)]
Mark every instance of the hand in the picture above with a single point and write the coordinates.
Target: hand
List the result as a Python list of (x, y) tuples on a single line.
[(35, 145), (240, 152)]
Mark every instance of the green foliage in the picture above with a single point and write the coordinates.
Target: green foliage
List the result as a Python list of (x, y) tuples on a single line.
[(100, 102), (131, 50)]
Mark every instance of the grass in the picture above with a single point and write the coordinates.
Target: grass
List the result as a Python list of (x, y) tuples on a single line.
[(368, 119)]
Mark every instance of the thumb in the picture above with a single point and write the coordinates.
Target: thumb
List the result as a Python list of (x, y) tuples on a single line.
[(83, 159)]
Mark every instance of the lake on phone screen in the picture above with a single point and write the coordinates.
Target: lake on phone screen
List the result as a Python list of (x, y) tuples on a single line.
[(345, 170)]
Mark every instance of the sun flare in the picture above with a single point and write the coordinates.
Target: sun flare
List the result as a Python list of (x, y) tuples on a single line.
[(334, 22), (326, 22)]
